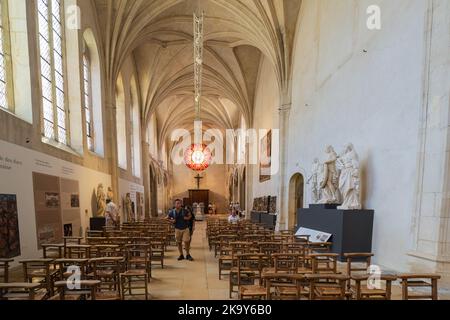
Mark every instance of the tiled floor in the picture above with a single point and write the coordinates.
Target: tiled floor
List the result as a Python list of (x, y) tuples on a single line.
[(197, 280), (185, 280)]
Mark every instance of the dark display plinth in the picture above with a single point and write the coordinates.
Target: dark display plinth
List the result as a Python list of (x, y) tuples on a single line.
[(255, 217), (351, 229), (269, 221), (97, 223)]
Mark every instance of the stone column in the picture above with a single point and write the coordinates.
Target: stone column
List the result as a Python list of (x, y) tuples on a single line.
[(146, 174), (282, 221), (431, 220), (111, 143)]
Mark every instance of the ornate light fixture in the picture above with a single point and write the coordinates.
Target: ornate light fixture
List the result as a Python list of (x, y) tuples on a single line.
[(198, 157)]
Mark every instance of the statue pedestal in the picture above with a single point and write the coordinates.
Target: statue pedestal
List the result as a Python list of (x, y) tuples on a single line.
[(351, 229), (268, 220), (97, 223)]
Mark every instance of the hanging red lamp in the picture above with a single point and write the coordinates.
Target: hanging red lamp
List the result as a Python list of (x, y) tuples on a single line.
[(198, 157)]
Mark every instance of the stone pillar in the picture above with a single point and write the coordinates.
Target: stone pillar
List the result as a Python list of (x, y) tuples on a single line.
[(431, 220), (146, 174), (283, 217), (111, 143)]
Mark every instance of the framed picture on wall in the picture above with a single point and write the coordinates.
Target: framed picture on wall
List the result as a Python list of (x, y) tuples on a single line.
[(9, 227), (74, 201), (68, 230), (52, 200), (265, 155)]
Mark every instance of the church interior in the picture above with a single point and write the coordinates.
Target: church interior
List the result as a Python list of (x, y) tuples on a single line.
[(224, 150)]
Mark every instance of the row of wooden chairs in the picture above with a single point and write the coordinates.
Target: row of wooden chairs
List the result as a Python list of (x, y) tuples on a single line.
[(118, 260), (283, 253), (287, 281)]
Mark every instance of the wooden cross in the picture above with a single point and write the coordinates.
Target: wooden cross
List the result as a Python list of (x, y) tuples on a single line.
[(198, 178)]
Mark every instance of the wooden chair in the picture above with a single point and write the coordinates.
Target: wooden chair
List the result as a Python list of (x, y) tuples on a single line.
[(41, 271), (138, 270), (237, 248), (72, 240), (4, 270), (365, 292), (106, 250), (77, 251), (158, 248), (83, 290), (52, 250), (422, 281), (283, 286), (107, 270), (225, 258), (66, 267), (250, 272), (324, 263), (284, 263), (357, 263), (20, 291), (327, 286), (320, 247)]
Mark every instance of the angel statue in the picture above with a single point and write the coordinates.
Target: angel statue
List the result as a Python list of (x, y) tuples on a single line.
[(329, 178), (349, 180), (101, 201), (313, 180)]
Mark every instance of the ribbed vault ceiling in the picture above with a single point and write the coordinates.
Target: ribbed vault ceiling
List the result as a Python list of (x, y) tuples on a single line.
[(158, 35)]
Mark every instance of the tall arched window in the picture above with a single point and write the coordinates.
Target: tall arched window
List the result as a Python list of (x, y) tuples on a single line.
[(87, 88), (6, 87), (135, 131), (52, 64), (121, 124), (93, 105)]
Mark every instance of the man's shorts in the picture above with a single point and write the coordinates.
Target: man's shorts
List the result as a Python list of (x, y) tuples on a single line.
[(182, 235)]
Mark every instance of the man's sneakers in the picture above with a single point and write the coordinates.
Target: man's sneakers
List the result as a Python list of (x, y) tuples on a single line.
[(188, 257)]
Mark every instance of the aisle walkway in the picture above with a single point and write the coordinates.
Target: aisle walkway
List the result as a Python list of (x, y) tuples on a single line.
[(184, 280)]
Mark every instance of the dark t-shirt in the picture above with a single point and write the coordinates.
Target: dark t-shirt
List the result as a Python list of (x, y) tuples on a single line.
[(192, 221), (180, 223)]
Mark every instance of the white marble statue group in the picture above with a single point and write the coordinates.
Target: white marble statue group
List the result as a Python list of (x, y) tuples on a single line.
[(101, 199), (336, 180)]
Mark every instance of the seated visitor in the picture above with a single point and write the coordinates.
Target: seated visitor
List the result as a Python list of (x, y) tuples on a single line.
[(233, 218)]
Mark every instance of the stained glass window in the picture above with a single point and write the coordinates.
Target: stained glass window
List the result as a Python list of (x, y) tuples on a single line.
[(51, 40), (87, 86), (5, 60)]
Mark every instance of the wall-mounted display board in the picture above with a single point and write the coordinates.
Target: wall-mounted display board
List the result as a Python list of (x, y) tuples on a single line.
[(9, 227), (55, 202)]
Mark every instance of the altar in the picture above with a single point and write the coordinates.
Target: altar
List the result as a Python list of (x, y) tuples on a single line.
[(199, 201)]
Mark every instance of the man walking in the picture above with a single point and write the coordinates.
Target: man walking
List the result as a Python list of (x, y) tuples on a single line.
[(180, 217)]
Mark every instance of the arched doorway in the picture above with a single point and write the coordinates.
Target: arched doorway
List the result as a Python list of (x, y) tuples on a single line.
[(296, 193), (153, 193)]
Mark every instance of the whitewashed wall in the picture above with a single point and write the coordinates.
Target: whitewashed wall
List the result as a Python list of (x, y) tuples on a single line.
[(265, 117), (351, 84)]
